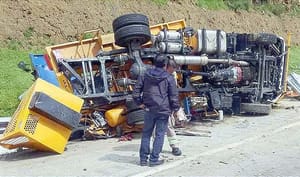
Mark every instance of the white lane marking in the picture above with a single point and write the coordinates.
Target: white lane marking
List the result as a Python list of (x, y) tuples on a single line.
[(213, 151)]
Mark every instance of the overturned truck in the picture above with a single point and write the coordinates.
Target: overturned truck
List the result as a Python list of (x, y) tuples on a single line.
[(231, 72)]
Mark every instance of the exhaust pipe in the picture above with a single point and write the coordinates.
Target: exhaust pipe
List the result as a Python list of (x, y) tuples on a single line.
[(204, 60)]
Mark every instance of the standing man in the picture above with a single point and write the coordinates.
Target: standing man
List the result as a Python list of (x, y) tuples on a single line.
[(156, 92)]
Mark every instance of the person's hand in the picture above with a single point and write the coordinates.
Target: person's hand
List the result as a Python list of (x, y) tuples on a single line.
[(142, 106), (176, 114)]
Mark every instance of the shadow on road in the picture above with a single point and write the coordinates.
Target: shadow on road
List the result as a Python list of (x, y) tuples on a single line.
[(24, 154), (120, 158), (128, 147)]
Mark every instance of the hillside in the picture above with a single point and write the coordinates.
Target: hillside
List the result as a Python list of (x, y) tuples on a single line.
[(59, 21)]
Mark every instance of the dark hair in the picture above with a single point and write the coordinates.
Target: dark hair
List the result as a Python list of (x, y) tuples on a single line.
[(164, 60), (171, 62), (160, 61)]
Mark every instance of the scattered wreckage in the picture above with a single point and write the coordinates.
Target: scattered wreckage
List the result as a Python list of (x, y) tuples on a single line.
[(219, 72)]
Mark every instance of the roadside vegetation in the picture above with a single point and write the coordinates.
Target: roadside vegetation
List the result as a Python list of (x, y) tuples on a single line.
[(294, 61), (276, 7), (14, 81)]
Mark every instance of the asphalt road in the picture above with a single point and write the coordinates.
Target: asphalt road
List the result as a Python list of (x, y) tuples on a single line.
[(238, 146), (275, 154)]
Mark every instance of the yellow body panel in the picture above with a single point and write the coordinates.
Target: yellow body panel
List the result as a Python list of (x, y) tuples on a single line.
[(33, 130), (114, 116), (174, 25), (90, 47)]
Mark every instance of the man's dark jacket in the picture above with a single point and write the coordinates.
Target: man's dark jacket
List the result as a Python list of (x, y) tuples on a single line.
[(157, 91)]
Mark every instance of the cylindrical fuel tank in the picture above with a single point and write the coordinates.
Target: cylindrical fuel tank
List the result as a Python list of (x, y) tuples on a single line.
[(211, 41), (170, 47), (169, 36)]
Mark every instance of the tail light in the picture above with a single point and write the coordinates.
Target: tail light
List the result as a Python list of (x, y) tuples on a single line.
[(47, 58)]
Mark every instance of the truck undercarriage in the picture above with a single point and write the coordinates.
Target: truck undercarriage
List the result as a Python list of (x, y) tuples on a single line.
[(231, 72), (233, 68)]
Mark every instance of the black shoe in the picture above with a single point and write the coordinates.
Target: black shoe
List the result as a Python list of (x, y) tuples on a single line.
[(159, 162), (176, 151), (143, 163)]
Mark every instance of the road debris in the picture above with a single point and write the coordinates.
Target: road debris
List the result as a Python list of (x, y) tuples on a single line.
[(223, 162), (192, 133), (126, 137)]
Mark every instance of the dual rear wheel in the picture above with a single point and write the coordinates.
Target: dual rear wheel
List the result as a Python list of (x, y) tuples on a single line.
[(131, 28)]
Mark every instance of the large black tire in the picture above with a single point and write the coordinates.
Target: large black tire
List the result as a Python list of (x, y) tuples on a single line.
[(130, 19), (135, 117), (256, 108), (77, 133), (138, 33), (119, 131)]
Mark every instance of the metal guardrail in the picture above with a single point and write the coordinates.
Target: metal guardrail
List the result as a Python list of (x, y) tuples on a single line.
[(3, 123), (294, 82)]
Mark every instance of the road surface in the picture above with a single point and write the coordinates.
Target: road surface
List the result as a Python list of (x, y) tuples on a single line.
[(237, 146)]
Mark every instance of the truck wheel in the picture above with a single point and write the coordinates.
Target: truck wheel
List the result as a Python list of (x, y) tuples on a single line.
[(266, 39), (78, 132), (257, 108), (135, 117), (138, 33), (130, 19), (131, 105), (119, 131)]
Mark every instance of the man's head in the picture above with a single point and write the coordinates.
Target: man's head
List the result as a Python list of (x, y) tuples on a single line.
[(171, 65), (165, 61), (160, 61)]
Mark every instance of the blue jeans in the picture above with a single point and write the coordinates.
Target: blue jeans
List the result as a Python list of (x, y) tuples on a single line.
[(161, 123)]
